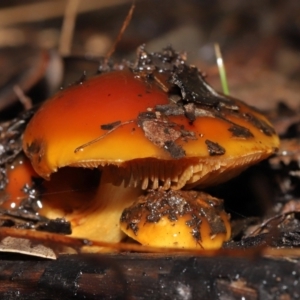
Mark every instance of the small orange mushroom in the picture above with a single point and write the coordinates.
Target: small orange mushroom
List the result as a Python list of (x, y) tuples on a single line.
[(20, 175), (152, 124), (177, 219)]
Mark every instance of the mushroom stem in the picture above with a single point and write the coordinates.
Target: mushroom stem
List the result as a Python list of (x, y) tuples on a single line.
[(102, 221), (94, 215)]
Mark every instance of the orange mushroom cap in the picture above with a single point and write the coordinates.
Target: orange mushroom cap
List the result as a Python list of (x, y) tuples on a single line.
[(19, 175), (179, 219), (154, 123)]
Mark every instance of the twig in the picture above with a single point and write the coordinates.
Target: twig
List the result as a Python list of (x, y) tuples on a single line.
[(26, 101), (46, 10), (121, 32), (81, 147), (67, 30)]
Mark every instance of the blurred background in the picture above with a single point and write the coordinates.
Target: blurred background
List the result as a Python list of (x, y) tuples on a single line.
[(59, 40)]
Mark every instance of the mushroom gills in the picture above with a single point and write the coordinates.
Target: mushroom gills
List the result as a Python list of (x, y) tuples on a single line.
[(154, 173), (93, 211)]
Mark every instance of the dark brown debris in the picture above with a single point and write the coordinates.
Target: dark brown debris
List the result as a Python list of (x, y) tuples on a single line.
[(240, 132), (260, 124), (24, 219), (110, 126), (214, 148)]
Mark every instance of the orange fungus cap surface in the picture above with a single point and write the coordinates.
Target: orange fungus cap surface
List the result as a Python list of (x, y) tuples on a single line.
[(128, 116)]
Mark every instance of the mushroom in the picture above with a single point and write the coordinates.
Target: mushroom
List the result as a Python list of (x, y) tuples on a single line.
[(152, 124), (176, 218), (20, 176)]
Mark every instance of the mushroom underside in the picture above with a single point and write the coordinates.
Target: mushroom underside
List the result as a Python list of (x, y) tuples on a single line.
[(96, 214), (185, 173), (93, 195)]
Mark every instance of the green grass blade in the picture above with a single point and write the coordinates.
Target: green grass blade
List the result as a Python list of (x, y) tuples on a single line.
[(222, 70)]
